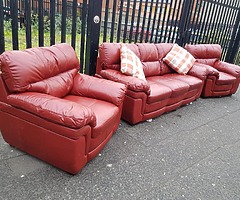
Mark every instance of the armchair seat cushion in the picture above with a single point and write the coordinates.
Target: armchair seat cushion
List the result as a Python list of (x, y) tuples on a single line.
[(225, 79)]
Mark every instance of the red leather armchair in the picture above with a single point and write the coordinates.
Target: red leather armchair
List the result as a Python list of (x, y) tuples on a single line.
[(224, 77), (164, 91), (52, 112)]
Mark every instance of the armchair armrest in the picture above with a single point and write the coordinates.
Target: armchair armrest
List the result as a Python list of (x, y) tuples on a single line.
[(56, 110), (229, 68), (97, 88), (132, 83)]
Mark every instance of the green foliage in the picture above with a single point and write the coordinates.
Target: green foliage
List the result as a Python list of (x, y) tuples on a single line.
[(237, 60), (58, 23)]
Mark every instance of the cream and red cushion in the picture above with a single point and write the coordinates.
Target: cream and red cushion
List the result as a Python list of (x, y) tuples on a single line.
[(130, 63), (179, 59)]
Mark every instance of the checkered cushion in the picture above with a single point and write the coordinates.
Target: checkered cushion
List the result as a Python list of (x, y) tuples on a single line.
[(130, 63), (179, 59)]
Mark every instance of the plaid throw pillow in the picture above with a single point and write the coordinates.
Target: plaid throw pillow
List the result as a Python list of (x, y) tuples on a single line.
[(179, 59), (130, 63)]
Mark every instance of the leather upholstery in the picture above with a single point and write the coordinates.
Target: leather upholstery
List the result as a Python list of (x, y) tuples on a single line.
[(54, 109), (223, 78), (164, 91), (60, 116), (47, 70)]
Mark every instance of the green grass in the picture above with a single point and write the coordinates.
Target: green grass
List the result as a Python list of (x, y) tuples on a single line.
[(22, 39), (34, 34)]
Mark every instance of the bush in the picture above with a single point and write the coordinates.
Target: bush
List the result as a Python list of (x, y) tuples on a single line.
[(58, 23)]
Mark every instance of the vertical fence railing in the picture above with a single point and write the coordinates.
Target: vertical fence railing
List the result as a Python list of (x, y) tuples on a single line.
[(27, 20), (14, 21), (64, 17), (40, 23), (83, 33), (2, 43)]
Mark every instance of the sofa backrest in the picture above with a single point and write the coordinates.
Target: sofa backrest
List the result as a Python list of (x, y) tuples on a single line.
[(205, 53), (48, 70), (151, 56)]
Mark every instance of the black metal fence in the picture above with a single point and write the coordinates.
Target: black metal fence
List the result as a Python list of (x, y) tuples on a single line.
[(86, 23), (177, 21)]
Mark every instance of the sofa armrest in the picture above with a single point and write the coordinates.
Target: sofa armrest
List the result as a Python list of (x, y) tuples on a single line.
[(102, 89), (198, 71), (132, 83), (228, 68), (56, 110), (203, 70)]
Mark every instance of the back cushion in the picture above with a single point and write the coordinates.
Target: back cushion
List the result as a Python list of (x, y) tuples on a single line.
[(163, 49), (205, 51), (150, 54), (150, 59), (109, 55), (209, 61), (47, 70), (211, 52)]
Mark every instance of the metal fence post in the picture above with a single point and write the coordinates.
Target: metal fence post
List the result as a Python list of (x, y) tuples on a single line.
[(184, 21), (235, 48), (2, 43), (234, 43), (93, 33), (14, 17)]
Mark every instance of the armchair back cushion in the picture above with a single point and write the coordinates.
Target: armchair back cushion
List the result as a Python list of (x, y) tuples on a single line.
[(205, 53), (46, 70)]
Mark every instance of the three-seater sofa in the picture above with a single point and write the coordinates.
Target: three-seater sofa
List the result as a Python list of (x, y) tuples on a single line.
[(164, 90)]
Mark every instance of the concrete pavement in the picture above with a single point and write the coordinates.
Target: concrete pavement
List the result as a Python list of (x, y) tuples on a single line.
[(191, 153)]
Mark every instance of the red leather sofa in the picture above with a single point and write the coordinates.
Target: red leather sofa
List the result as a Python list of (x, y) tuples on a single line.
[(52, 112), (164, 91), (225, 77)]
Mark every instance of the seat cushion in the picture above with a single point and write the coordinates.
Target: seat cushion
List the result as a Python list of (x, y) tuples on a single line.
[(105, 112), (225, 79), (158, 91), (193, 82), (177, 87)]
